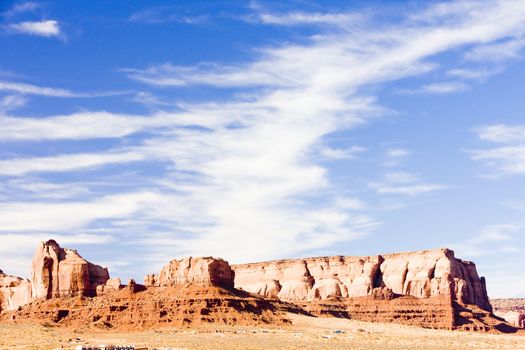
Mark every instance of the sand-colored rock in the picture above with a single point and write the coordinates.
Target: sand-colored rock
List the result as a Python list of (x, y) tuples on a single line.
[(151, 280), (200, 270), (58, 272), (14, 292), (308, 279), (515, 318), (420, 274), (434, 272), (511, 309), (111, 285)]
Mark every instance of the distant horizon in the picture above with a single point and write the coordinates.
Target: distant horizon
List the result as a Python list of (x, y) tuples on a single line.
[(261, 129)]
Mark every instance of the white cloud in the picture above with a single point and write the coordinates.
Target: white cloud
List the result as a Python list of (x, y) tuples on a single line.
[(244, 179), (403, 183), (35, 90), (159, 15), (444, 87), (339, 153), (23, 7), (62, 217), (472, 74), (498, 52), (87, 125), (504, 160), (395, 156), (509, 160), (29, 89), (298, 18), (45, 28), (397, 153), (493, 239), (41, 189), (10, 102), (502, 133), (72, 162)]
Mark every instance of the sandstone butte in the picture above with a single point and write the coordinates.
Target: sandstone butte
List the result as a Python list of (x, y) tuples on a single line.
[(429, 288)]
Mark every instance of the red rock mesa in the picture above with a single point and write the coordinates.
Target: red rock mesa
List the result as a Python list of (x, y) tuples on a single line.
[(429, 288)]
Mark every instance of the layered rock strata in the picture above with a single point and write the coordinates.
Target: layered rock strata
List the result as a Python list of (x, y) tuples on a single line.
[(420, 274), (205, 271), (428, 289), (58, 272)]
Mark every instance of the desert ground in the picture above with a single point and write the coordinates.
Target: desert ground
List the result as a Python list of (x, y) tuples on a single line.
[(305, 333)]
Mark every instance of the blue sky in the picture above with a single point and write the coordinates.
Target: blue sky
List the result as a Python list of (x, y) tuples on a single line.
[(140, 132)]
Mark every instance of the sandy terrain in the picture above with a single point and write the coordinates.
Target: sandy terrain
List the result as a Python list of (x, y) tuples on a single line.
[(306, 333)]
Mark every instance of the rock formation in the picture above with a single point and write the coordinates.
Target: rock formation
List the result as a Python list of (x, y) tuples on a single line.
[(515, 318), (420, 274), (511, 310), (14, 292), (202, 270), (58, 272), (428, 289), (111, 285)]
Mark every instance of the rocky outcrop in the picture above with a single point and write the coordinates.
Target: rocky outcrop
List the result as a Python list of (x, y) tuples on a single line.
[(111, 285), (14, 292), (308, 279), (434, 272), (58, 272), (515, 318), (511, 310), (206, 271), (420, 274)]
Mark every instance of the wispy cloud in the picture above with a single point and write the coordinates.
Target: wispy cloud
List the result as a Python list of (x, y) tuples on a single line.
[(44, 28), (29, 89), (339, 153), (10, 102), (403, 183), (493, 239), (497, 52), (445, 87), (61, 217), (502, 133), (478, 74), (63, 163), (160, 15), (39, 189), (243, 176), (395, 156), (307, 18), (35, 90), (23, 7), (508, 159)]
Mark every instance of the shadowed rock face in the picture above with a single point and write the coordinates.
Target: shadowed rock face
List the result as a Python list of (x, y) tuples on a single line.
[(58, 272), (201, 270), (421, 274)]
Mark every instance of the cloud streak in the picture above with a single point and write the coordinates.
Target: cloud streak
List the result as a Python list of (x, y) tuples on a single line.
[(44, 28), (505, 160), (243, 176)]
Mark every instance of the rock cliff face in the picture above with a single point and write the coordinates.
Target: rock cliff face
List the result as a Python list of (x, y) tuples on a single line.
[(58, 272), (420, 274), (199, 271), (14, 292)]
